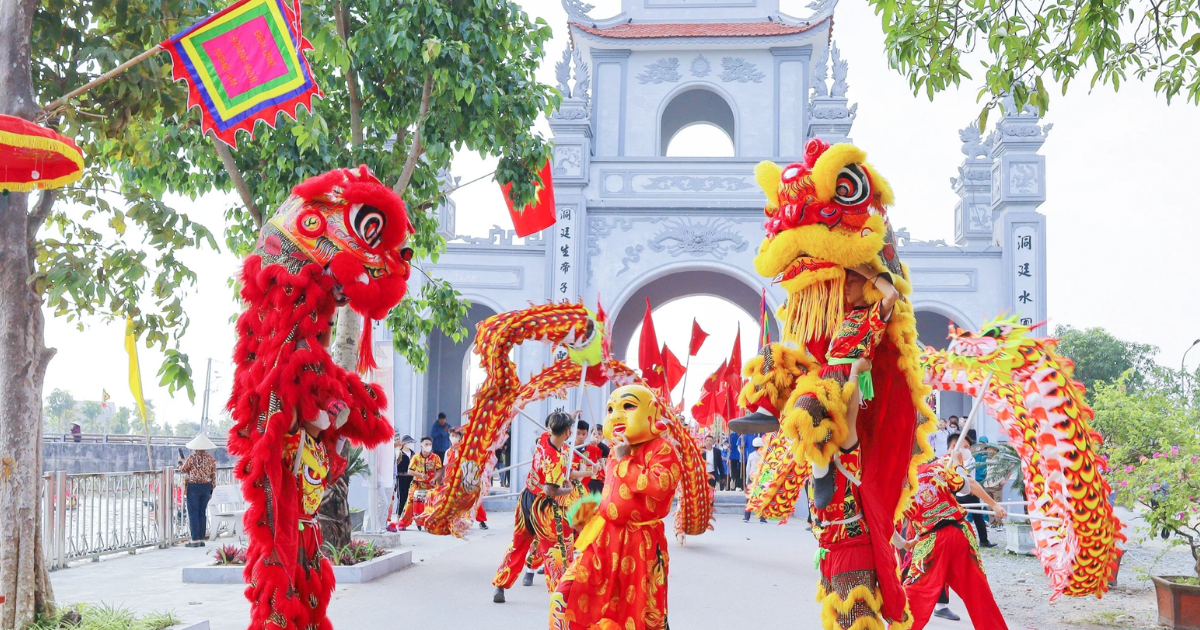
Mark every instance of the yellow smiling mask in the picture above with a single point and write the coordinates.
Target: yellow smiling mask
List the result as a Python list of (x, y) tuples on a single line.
[(633, 412)]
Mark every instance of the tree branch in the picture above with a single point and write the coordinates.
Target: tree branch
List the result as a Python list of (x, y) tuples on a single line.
[(342, 18), (415, 151), (36, 218), (239, 182)]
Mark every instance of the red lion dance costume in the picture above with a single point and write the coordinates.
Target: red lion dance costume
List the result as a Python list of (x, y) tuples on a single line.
[(826, 215), (335, 240)]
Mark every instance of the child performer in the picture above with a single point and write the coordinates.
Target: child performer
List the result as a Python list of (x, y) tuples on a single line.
[(944, 550), (849, 358)]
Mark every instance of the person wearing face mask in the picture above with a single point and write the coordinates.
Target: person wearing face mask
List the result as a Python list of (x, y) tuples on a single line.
[(424, 468), (404, 478)]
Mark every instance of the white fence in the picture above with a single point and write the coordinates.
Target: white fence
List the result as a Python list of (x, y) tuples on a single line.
[(124, 438), (86, 516)]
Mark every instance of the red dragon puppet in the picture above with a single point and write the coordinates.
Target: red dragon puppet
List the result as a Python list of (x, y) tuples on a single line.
[(826, 216), (336, 240)]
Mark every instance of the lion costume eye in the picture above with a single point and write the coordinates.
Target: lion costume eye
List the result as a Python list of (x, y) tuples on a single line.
[(853, 186), (367, 224)]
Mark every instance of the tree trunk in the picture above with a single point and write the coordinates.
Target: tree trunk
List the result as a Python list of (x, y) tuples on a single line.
[(334, 514), (23, 355)]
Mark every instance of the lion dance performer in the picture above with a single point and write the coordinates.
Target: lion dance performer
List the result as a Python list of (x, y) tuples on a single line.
[(335, 240), (846, 381), (944, 549), (423, 467), (619, 580), (541, 513)]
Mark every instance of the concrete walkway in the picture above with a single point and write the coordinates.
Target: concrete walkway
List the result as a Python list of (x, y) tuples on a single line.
[(741, 575)]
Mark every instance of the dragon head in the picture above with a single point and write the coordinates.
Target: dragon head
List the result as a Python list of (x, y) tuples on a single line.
[(824, 215), (1003, 344)]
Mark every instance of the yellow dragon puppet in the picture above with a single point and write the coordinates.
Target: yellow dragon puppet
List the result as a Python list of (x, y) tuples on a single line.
[(831, 247), (1041, 407)]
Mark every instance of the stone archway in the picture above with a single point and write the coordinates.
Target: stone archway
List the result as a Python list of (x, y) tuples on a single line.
[(679, 284), (446, 378), (693, 105)]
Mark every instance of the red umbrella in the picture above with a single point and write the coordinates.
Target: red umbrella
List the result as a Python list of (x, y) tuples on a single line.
[(34, 158)]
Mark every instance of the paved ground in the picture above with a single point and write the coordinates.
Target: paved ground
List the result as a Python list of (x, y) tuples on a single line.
[(738, 576)]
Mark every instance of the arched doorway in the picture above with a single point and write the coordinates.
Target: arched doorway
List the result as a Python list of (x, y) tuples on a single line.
[(932, 329), (704, 108), (447, 379), (681, 284)]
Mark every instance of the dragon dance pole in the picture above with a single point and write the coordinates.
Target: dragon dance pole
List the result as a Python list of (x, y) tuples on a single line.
[(575, 429), (974, 409)]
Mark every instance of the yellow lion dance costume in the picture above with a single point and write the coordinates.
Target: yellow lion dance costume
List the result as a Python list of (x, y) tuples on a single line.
[(826, 215)]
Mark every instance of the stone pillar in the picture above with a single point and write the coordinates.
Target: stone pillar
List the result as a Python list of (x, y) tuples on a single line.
[(609, 109), (1018, 189), (973, 213), (828, 116), (572, 126), (791, 85)]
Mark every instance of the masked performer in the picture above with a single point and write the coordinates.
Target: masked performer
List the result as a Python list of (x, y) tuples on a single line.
[(829, 245), (424, 468), (944, 549), (541, 514), (619, 580), (335, 240)]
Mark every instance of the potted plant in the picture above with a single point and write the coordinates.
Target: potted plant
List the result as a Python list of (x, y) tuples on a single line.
[(1163, 488), (1002, 465)]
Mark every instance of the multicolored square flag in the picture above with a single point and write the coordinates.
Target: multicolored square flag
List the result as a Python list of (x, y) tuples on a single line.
[(243, 65)]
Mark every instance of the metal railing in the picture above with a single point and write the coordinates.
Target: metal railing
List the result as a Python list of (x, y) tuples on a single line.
[(87, 516), (127, 438)]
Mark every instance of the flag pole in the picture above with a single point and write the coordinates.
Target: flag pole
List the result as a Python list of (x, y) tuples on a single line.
[(683, 393), (62, 100)]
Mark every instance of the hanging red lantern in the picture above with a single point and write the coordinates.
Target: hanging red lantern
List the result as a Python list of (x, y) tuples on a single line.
[(35, 158)]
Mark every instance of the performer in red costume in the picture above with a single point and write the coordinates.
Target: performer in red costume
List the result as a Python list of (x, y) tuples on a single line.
[(540, 514), (424, 468), (830, 246), (335, 241), (944, 550), (619, 580)]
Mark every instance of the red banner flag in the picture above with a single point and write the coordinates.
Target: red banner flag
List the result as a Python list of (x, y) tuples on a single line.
[(540, 215), (674, 369), (733, 376), (708, 405), (698, 337), (649, 354)]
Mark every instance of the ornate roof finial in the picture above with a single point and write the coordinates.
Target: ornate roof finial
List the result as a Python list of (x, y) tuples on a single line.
[(840, 69), (577, 10), (562, 72), (820, 73), (583, 79)]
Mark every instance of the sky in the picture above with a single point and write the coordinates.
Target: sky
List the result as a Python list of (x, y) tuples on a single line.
[(1118, 257)]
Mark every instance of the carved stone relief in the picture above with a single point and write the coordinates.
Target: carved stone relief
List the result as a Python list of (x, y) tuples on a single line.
[(665, 70), (740, 70)]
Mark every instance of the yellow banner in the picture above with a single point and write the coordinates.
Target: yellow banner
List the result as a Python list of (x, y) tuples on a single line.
[(135, 372)]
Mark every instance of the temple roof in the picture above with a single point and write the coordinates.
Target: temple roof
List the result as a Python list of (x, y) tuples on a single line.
[(704, 29)]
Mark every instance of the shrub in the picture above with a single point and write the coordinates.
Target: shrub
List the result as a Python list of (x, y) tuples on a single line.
[(1165, 485), (230, 555), (358, 551)]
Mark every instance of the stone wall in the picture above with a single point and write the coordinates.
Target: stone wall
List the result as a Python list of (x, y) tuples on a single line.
[(91, 457)]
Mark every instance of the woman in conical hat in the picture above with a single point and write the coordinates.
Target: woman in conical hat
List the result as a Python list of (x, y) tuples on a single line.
[(201, 471)]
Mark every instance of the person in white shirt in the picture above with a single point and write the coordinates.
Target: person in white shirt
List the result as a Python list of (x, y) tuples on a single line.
[(937, 440)]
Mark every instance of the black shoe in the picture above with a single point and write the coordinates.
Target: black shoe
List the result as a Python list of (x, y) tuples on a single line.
[(762, 519), (946, 613), (193, 543), (823, 490), (528, 581), (499, 596), (482, 525), (541, 571), (987, 545)]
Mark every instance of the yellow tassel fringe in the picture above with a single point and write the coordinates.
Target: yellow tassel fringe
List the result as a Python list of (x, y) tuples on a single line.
[(832, 605), (814, 312)]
